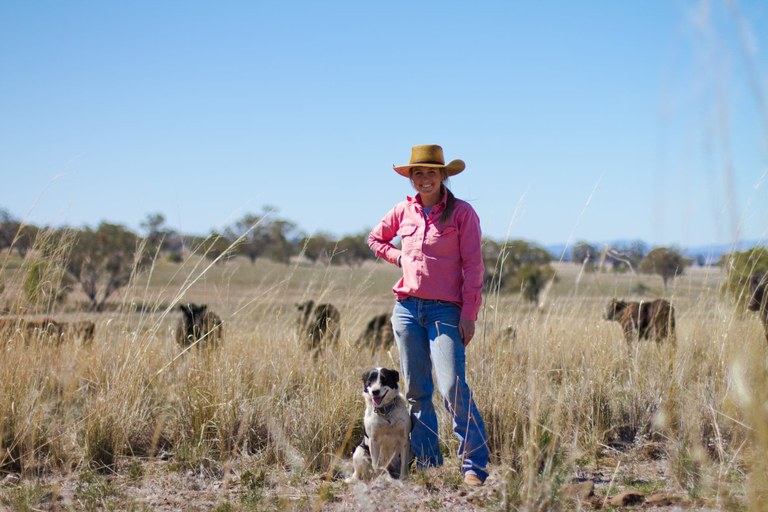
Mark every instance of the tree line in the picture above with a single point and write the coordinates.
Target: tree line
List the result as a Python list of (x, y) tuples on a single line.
[(103, 259)]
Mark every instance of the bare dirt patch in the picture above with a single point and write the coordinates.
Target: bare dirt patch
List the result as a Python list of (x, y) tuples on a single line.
[(640, 477)]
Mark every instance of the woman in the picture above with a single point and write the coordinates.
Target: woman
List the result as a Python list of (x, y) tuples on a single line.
[(438, 299)]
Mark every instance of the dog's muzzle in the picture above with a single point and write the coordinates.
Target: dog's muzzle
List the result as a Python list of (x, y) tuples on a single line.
[(377, 397)]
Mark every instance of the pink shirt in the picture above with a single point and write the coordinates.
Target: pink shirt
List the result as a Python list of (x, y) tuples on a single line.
[(439, 261)]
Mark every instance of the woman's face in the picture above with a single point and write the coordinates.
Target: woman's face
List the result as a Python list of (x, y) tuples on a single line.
[(426, 181)]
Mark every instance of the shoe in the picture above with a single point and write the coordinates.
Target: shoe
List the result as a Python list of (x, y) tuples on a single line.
[(472, 480)]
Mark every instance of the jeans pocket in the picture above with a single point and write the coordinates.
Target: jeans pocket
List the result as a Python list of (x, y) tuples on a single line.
[(445, 303)]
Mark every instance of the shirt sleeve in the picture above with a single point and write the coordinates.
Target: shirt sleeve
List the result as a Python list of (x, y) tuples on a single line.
[(472, 267), (380, 238)]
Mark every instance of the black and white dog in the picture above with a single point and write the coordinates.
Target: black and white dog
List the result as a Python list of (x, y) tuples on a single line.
[(387, 426)]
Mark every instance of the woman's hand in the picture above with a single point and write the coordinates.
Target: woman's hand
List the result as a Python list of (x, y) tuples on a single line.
[(466, 330)]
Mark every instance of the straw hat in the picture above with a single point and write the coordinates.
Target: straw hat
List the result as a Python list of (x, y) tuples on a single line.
[(429, 155)]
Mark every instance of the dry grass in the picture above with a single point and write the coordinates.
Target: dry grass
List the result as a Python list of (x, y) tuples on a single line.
[(128, 422)]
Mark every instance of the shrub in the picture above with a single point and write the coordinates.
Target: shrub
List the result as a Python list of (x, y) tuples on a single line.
[(739, 269), (45, 285)]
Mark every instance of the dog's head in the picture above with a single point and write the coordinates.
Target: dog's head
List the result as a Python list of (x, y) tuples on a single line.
[(380, 385)]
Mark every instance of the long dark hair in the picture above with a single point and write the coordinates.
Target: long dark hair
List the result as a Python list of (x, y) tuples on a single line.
[(450, 204)]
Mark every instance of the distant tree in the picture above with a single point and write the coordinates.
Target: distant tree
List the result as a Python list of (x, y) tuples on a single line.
[(739, 267), (16, 235), (279, 241), (319, 246), (215, 247), (154, 229), (103, 261), (8, 228), (159, 237), (25, 239), (494, 264), (251, 245), (627, 257), (665, 262), (173, 246), (586, 255), (265, 236), (349, 250), (516, 266), (352, 250), (533, 279), (194, 242)]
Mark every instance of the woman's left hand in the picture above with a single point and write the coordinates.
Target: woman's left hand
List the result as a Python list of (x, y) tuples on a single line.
[(466, 330)]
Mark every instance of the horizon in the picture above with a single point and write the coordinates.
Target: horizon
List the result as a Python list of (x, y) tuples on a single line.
[(555, 248), (638, 121)]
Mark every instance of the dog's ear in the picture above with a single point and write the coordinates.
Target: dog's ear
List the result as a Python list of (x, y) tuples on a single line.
[(391, 375), (366, 376)]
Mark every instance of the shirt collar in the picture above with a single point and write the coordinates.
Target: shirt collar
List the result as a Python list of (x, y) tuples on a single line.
[(417, 200)]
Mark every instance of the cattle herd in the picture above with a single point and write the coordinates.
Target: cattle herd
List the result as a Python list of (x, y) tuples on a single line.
[(319, 325)]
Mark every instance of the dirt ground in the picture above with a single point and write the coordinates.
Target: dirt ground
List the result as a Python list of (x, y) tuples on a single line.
[(642, 474)]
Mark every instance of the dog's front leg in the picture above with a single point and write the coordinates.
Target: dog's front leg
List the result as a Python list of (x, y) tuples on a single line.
[(405, 450), (362, 465), (375, 454)]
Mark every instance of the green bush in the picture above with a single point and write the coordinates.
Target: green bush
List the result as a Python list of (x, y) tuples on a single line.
[(45, 284), (739, 268)]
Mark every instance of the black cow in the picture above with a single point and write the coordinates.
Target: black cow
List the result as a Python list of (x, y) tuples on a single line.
[(198, 324), (318, 324), (378, 333)]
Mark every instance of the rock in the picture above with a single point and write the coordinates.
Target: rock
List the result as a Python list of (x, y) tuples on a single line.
[(578, 491), (627, 498)]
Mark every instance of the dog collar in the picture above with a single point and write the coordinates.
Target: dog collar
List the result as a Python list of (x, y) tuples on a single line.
[(386, 409)]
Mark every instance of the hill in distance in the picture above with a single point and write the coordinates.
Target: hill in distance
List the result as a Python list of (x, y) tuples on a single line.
[(711, 253)]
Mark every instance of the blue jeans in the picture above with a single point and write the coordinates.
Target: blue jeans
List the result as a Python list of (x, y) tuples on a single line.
[(427, 334)]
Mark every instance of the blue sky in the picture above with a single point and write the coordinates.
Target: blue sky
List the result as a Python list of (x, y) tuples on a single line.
[(601, 120)]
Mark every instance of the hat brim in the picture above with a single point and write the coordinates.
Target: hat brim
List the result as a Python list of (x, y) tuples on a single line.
[(453, 168)]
